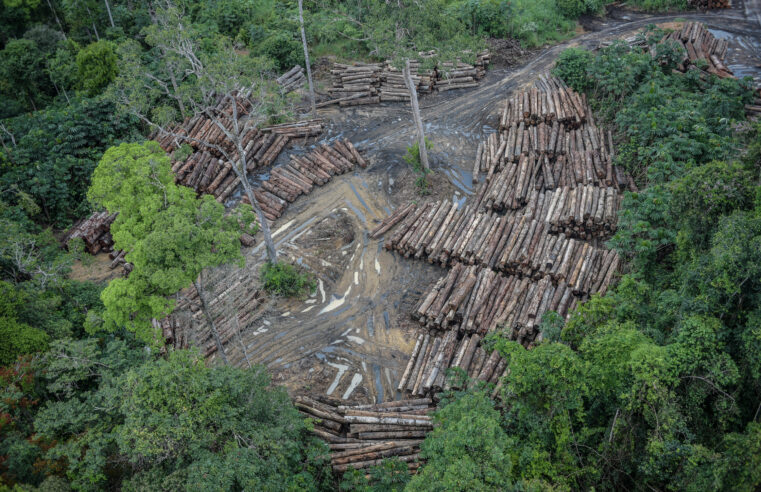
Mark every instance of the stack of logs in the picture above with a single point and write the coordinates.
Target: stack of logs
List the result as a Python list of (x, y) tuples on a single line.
[(95, 232), (699, 44), (529, 241), (514, 245), (299, 176), (709, 4), (371, 83), (206, 170), (292, 79), (231, 310), (362, 436)]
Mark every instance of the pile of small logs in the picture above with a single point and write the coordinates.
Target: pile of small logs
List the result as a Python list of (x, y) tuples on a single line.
[(231, 310), (289, 181), (700, 44), (355, 84), (361, 436), (95, 231), (548, 101), (371, 83), (478, 300), (292, 79), (709, 4)]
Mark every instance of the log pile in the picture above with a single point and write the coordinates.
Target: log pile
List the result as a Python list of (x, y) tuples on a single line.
[(512, 244), (231, 310), (472, 299), (709, 4), (292, 79), (95, 232), (528, 242), (361, 436), (206, 169), (302, 173), (697, 44), (433, 355), (550, 100), (371, 83)]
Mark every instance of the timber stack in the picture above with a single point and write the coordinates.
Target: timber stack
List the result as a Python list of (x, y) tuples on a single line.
[(206, 169), (95, 232), (530, 240), (231, 310), (697, 43), (372, 83), (291, 80), (709, 4), (361, 436), (302, 173)]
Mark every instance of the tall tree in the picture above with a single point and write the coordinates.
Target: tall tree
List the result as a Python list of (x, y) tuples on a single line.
[(416, 114), (231, 91), (306, 59), (170, 236)]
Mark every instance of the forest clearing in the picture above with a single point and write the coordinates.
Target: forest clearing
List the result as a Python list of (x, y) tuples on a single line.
[(438, 264)]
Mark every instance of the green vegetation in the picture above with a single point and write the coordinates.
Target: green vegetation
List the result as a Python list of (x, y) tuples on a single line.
[(169, 233), (286, 280), (412, 157)]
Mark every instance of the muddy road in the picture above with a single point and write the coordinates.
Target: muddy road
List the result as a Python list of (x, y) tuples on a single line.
[(352, 337)]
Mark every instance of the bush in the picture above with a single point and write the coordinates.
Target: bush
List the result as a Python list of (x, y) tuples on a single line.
[(572, 67), (537, 22), (283, 49), (285, 280), (97, 66), (19, 339), (412, 157)]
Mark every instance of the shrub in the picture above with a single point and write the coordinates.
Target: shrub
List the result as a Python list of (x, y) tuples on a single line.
[(412, 157), (285, 280), (572, 66), (283, 49), (97, 66), (18, 339)]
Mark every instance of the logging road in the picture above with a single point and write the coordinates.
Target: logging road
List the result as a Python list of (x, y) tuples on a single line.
[(352, 338)]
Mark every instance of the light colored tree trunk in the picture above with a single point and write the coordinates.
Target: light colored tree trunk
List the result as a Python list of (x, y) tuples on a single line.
[(268, 242), (110, 17), (205, 308), (97, 36), (416, 115), (306, 59), (57, 20)]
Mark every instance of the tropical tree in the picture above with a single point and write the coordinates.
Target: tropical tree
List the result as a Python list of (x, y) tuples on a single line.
[(169, 234), (230, 90)]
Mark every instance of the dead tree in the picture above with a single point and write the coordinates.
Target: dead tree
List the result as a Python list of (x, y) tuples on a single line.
[(416, 115), (306, 59), (218, 87)]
